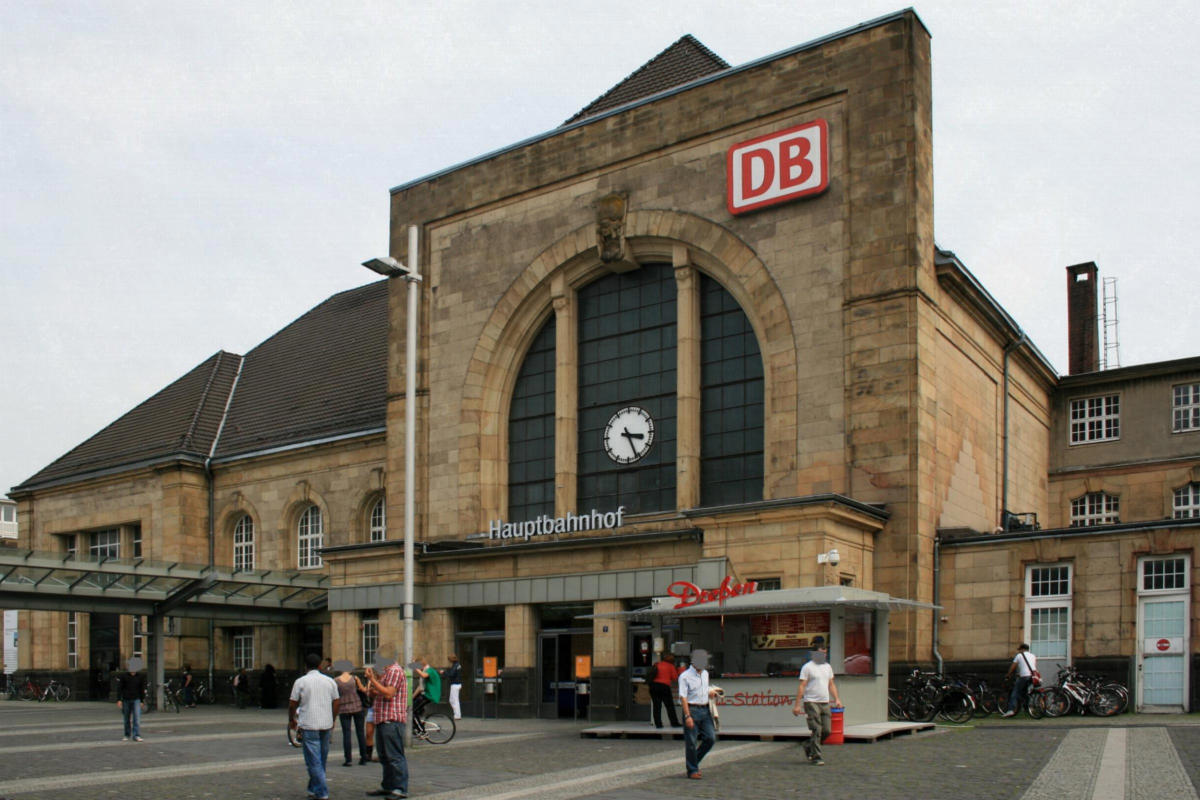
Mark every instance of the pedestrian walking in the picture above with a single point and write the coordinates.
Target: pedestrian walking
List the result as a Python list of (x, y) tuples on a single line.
[(812, 699), (699, 734), (131, 698), (241, 687), (351, 713), (389, 688), (266, 686), (663, 677), (189, 687), (1024, 663), (454, 680), (312, 707)]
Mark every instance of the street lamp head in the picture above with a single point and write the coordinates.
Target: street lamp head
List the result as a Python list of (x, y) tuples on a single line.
[(386, 266)]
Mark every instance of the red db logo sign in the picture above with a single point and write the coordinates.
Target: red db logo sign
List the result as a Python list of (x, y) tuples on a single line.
[(778, 167)]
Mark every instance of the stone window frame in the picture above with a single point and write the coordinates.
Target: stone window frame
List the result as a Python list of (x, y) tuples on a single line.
[(244, 550), (1095, 419), (310, 537), (1095, 508), (377, 520), (1185, 408), (1035, 604), (1186, 501)]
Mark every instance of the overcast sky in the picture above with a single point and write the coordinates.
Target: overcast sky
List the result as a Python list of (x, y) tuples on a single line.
[(182, 177)]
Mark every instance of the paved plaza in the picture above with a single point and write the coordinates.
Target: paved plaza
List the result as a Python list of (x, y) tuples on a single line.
[(75, 750)]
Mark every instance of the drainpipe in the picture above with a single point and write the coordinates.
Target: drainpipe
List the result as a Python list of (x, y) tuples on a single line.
[(1008, 351), (212, 522), (937, 598)]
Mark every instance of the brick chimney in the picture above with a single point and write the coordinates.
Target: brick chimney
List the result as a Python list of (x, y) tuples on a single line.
[(1083, 342)]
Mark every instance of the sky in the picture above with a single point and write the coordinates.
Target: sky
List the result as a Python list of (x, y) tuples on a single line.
[(178, 178)]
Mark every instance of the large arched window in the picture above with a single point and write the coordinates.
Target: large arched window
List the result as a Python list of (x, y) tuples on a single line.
[(531, 432), (243, 544), (310, 536), (378, 521)]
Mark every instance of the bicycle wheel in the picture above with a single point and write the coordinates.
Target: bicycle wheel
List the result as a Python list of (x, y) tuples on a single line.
[(1104, 703), (172, 701), (894, 709), (439, 728), (1055, 702), (956, 707), (1035, 706), (62, 692), (1121, 692)]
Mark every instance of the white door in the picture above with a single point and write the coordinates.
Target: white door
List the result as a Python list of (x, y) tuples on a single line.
[(1163, 635)]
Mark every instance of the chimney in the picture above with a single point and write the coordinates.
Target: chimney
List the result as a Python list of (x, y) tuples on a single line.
[(1083, 345)]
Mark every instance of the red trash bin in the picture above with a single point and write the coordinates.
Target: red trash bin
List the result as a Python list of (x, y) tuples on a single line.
[(837, 726)]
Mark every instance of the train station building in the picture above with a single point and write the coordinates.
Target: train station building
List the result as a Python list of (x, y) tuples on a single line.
[(700, 333)]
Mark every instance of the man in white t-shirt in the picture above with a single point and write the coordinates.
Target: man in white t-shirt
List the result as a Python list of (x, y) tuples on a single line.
[(812, 697), (1024, 663), (312, 708)]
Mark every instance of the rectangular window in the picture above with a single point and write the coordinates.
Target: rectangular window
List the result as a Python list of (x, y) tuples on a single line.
[(1096, 419), (243, 650), (105, 544), (1052, 581), (1164, 574), (1048, 631), (767, 584), (72, 640), (69, 545), (243, 544), (137, 541), (1187, 501), (859, 642), (139, 637), (1185, 408), (9, 513), (1095, 508), (1048, 607), (370, 636)]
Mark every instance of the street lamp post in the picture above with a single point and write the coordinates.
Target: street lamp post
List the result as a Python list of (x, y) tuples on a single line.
[(411, 274)]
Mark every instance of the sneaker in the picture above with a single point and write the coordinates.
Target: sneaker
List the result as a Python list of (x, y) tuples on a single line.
[(125, 739), (138, 739), (1009, 714), (819, 763)]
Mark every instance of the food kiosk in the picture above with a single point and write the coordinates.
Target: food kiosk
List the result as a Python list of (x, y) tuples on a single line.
[(758, 641)]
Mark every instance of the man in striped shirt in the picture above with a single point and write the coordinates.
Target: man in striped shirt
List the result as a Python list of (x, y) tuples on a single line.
[(390, 692)]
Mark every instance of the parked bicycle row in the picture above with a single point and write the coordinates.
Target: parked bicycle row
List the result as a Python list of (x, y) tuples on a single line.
[(926, 696), (29, 688)]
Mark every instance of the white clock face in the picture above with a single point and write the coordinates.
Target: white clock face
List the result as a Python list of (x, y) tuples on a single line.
[(628, 435)]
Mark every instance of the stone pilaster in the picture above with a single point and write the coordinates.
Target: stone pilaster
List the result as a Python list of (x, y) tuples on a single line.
[(566, 396), (687, 387)]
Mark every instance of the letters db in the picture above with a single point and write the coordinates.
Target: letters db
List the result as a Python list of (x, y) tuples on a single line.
[(778, 167)]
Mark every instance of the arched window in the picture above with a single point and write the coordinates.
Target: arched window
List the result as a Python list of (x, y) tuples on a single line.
[(310, 535), (531, 432), (1095, 508), (243, 544), (1187, 501), (378, 523)]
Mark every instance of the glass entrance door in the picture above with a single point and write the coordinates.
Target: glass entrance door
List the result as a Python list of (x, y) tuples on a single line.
[(557, 650), (1164, 625), (472, 649)]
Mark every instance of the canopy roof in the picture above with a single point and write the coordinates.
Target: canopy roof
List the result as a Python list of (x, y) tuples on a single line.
[(776, 601)]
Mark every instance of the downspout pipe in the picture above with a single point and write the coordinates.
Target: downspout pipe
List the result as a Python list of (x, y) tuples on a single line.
[(937, 600), (212, 510), (1008, 351)]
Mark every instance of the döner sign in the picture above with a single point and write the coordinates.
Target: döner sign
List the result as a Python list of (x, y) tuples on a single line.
[(689, 594), (778, 167)]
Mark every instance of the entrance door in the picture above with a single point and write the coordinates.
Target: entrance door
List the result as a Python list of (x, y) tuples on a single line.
[(556, 673), (1163, 635), (104, 645), (472, 649)]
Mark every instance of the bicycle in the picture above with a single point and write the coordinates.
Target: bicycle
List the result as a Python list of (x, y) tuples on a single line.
[(1084, 694), (171, 697), (203, 695), (927, 695), (433, 727), (28, 689), (55, 690)]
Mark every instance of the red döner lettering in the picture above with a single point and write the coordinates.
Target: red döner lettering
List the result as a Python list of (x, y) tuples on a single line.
[(689, 594)]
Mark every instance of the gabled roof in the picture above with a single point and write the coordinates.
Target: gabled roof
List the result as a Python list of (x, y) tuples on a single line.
[(682, 62), (322, 376), (181, 420)]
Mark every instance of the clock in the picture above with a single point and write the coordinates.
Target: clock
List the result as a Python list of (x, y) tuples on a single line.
[(628, 435)]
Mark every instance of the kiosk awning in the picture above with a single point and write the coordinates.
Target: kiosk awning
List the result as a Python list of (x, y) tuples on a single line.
[(775, 601)]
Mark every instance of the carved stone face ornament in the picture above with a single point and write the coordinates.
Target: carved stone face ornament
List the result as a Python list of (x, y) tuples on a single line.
[(610, 228)]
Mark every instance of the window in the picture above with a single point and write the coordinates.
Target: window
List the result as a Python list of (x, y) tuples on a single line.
[(531, 432), (378, 521), (1095, 508), (1187, 501), (1185, 410), (731, 401), (310, 535), (767, 584), (243, 544), (105, 544), (69, 545), (370, 636), (1096, 419), (627, 357), (72, 640), (136, 540), (1048, 606), (243, 649), (8, 513), (859, 642), (1164, 574), (139, 637)]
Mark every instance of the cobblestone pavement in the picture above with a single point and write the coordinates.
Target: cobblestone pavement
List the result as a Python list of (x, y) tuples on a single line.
[(75, 750)]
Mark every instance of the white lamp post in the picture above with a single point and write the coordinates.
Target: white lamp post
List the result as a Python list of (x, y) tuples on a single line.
[(411, 274)]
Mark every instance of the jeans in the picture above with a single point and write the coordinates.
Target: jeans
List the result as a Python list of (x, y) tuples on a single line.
[(1020, 692), (131, 712), (316, 750), (359, 728), (661, 695), (455, 703), (389, 741), (818, 718), (703, 728)]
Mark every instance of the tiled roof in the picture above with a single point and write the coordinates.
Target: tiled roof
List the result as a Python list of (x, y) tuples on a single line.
[(182, 420), (684, 61), (323, 375)]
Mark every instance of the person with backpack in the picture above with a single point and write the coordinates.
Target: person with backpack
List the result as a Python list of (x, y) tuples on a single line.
[(1024, 663)]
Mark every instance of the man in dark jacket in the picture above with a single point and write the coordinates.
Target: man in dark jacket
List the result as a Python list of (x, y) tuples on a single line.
[(131, 697)]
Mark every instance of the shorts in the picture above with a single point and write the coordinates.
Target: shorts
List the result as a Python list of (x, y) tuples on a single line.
[(371, 715)]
